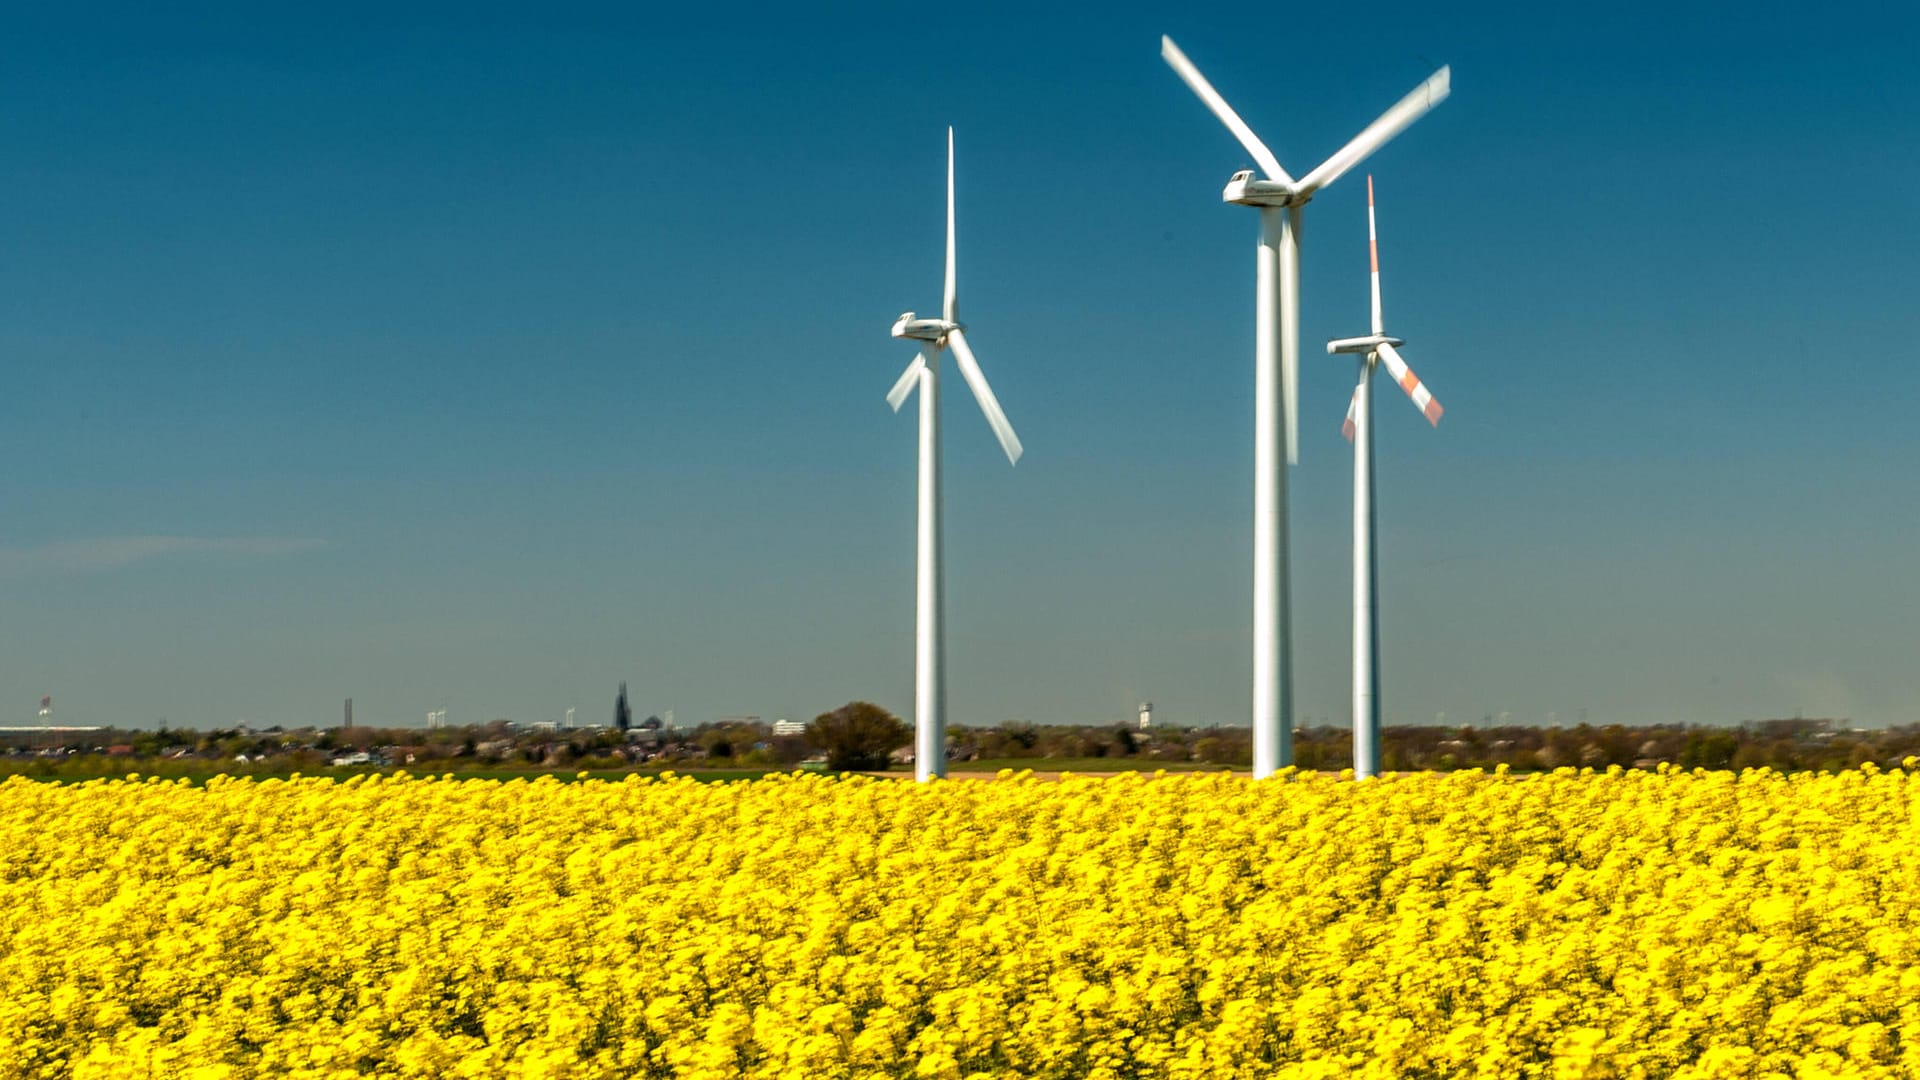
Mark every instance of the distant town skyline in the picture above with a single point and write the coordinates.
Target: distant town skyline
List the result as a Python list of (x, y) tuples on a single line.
[(481, 360)]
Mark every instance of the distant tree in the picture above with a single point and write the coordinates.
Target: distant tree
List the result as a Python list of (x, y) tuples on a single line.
[(1014, 739), (788, 749), (1225, 746), (1711, 749), (857, 735), (1065, 743)]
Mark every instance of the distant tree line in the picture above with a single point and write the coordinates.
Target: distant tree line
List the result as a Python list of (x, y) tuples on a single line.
[(1785, 745), (864, 736)]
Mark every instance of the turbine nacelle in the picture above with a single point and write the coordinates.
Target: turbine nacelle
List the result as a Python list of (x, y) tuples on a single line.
[(1247, 189), (917, 329), (1370, 343)]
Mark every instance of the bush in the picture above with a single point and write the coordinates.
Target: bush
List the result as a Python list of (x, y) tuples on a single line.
[(857, 735)]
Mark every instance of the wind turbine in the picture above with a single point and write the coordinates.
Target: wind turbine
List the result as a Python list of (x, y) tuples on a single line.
[(936, 336), (1375, 348), (1280, 199)]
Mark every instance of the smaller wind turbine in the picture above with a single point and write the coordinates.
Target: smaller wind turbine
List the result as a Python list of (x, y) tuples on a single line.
[(935, 336), (1375, 348)]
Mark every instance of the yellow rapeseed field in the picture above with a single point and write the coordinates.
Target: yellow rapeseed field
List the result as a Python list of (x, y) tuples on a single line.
[(1646, 924)]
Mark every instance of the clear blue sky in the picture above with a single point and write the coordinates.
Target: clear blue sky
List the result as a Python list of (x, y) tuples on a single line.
[(487, 356)]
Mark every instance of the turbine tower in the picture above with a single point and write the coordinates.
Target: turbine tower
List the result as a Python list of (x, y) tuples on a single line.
[(1376, 348), (936, 336), (1280, 199)]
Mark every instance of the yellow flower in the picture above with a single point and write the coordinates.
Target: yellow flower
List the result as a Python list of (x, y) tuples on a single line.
[(1579, 923)]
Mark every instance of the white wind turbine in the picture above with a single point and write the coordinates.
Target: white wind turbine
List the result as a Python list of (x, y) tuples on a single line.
[(1277, 375), (936, 336), (1375, 348)]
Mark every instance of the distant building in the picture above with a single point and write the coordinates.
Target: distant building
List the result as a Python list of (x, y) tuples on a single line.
[(789, 727), (1146, 715), (622, 712)]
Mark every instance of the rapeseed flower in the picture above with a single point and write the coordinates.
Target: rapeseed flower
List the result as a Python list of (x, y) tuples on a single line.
[(1574, 924)]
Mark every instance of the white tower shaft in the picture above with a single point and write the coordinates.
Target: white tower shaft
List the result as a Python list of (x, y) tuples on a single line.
[(1276, 340), (929, 677), (1366, 609), (1366, 612)]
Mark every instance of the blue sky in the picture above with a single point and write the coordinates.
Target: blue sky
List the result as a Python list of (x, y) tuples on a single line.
[(484, 357)]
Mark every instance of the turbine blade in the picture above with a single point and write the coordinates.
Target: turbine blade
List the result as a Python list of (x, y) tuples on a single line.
[(1373, 256), (1290, 346), (1198, 83), (909, 379), (996, 417), (1353, 403), (1422, 397), (1391, 123), (950, 305)]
